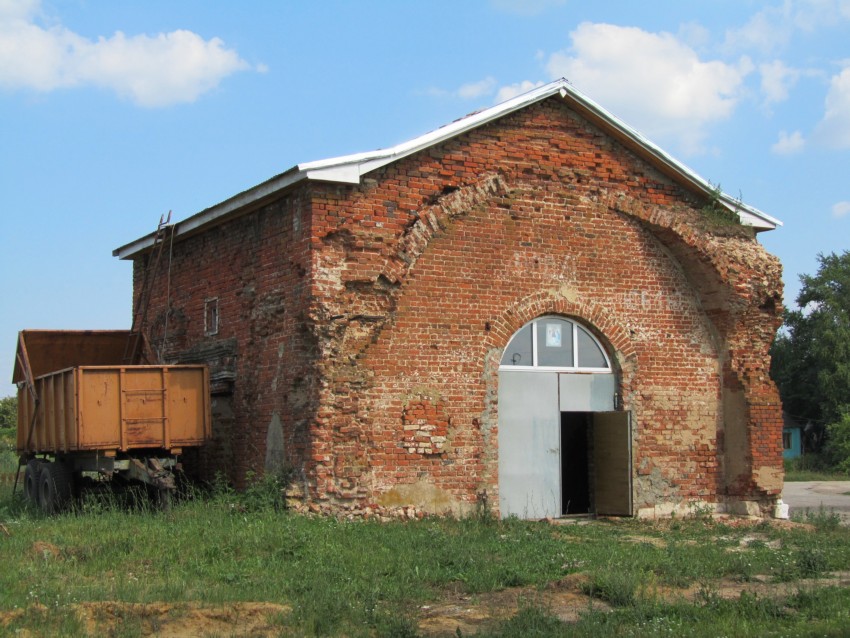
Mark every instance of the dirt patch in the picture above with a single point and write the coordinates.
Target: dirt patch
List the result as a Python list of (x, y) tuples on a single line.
[(649, 540), (45, 551), (566, 599), (184, 621), (471, 614), (760, 586), (455, 611), (164, 620)]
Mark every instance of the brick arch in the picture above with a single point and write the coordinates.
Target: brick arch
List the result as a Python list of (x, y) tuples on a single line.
[(601, 320)]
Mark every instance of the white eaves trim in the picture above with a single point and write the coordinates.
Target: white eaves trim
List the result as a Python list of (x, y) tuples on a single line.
[(349, 169)]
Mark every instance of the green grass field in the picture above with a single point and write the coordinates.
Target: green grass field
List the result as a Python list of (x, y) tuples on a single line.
[(8, 456), (228, 564), (811, 468)]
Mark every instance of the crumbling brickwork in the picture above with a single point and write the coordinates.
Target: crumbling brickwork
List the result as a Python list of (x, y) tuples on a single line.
[(262, 355), (369, 319)]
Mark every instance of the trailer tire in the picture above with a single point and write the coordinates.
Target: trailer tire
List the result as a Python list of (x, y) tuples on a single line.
[(32, 475), (54, 488)]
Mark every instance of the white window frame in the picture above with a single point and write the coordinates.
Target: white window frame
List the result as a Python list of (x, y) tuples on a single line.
[(213, 317), (575, 328)]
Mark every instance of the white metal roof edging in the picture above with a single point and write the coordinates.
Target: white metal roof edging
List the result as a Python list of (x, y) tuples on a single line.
[(349, 169), (733, 204)]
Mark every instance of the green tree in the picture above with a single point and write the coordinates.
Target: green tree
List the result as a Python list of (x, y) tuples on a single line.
[(838, 443), (9, 412), (811, 355)]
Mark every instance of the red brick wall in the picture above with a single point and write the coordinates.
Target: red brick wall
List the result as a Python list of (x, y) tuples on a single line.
[(373, 326), (257, 266), (453, 249)]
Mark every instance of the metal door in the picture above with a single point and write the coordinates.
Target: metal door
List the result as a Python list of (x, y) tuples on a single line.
[(529, 445), (612, 463), (585, 392)]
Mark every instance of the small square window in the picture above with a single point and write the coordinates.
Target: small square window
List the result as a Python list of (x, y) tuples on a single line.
[(211, 316), (786, 440)]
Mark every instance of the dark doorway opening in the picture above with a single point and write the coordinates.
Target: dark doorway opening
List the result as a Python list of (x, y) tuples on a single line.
[(575, 463)]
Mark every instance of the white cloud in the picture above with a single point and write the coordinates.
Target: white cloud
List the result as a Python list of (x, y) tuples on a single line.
[(777, 79), (694, 35), (477, 89), (512, 90), (834, 129), (468, 91), (772, 28), (18, 9), (767, 31), (152, 71), (789, 144), (841, 209), (653, 81)]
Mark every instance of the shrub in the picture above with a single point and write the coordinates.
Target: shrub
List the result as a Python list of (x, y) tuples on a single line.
[(265, 492), (620, 587), (838, 443)]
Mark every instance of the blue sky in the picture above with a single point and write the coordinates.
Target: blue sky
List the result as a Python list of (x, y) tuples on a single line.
[(113, 112)]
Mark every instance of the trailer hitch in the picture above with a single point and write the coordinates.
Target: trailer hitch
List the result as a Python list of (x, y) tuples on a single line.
[(151, 472)]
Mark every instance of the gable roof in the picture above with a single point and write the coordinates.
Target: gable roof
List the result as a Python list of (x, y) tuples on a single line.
[(349, 169)]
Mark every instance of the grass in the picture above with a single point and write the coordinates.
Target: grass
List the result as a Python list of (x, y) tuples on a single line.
[(370, 579), (8, 455), (811, 467)]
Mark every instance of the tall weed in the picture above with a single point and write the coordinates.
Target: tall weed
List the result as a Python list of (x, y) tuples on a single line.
[(824, 520)]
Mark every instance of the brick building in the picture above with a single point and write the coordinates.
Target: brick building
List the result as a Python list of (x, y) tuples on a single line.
[(533, 307)]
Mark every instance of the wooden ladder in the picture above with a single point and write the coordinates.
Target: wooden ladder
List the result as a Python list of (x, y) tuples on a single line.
[(135, 341)]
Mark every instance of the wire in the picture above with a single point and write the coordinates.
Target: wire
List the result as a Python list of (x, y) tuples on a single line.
[(167, 294)]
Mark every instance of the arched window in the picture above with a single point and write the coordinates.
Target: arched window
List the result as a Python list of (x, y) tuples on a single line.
[(555, 343)]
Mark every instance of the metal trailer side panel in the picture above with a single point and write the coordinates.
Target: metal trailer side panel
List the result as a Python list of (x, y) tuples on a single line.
[(135, 407), (26, 406), (99, 408), (76, 395), (55, 426), (116, 408), (188, 406), (144, 416), (42, 352)]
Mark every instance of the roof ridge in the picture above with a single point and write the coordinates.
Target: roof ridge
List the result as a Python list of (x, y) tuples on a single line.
[(349, 169)]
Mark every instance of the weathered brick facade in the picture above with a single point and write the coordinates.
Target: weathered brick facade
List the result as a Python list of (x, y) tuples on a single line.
[(362, 325)]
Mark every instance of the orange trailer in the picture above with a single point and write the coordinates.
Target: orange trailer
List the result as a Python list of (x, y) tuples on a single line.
[(80, 409)]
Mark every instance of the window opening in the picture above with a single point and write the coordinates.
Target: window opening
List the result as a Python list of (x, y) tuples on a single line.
[(786, 440), (590, 354), (553, 342), (211, 316), (520, 349)]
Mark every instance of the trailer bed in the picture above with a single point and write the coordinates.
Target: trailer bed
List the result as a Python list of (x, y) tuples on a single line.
[(115, 409)]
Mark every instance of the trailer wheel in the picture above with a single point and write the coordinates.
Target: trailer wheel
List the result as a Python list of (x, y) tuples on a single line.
[(54, 488), (31, 477)]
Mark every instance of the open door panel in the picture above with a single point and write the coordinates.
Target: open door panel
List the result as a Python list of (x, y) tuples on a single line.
[(612, 463)]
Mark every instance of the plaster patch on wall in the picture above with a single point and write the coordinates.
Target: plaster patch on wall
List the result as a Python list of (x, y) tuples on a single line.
[(770, 479), (653, 488), (568, 293), (425, 497), (280, 350), (275, 459)]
